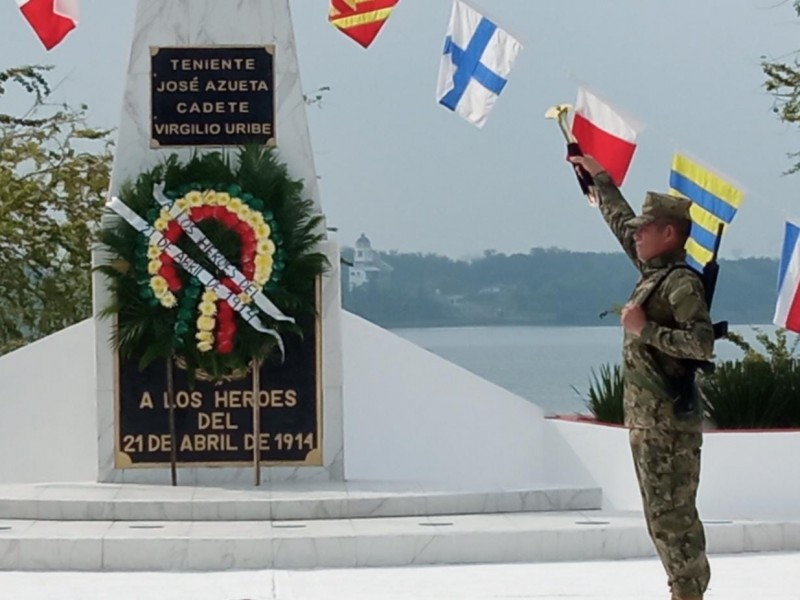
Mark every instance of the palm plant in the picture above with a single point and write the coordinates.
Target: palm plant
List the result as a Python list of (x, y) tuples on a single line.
[(604, 399)]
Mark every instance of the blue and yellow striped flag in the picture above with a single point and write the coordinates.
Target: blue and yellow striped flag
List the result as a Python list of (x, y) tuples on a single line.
[(714, 201)]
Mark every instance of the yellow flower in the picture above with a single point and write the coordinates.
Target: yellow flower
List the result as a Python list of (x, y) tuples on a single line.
[(161, 224), (182, 204), (210, 197), (243, 213), (159, 286), (223, 199), (169, 300), (154, 266), (255, 220), (205, 323), (235, 204), (194, 199), (204, 336), (263, 231), (164, 214), (262, 275), (205, 346), (245, 298), (208, 309), (266, 247), (263, 261), (210, 296), (153, 252)]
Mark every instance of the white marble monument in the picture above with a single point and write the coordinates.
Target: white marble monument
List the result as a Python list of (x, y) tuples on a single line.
[(208, 24)]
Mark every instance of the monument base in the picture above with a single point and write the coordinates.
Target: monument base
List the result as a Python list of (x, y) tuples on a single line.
[(109, 527), (330, 457)]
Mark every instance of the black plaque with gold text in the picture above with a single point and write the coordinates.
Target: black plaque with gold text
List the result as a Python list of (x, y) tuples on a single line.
[(214, 423), (213, 96)]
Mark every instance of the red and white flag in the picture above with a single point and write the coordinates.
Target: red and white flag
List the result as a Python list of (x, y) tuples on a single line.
[(52, 20), (787, 309), (604, 134)]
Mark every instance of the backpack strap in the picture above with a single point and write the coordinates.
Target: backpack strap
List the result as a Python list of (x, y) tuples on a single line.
[(663, 277)]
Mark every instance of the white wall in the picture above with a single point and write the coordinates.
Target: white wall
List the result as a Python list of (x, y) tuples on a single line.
[(410, 415), (743, 474), (48, 425), (751, 474), (592, 455)]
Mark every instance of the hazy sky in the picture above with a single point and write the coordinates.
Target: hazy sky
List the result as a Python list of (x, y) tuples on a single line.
[(415, 177)]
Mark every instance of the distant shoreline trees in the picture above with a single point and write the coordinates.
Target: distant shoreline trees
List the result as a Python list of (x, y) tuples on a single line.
[(543, 287)]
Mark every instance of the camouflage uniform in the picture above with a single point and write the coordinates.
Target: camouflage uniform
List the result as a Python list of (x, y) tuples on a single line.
[(666, 450)]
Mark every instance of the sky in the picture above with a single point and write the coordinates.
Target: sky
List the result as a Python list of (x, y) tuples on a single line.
[(414, 177)]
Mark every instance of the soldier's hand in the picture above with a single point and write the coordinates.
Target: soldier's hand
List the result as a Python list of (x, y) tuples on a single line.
[(587, 162), (633, 318)]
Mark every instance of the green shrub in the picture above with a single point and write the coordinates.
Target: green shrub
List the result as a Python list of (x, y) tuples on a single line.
[(605, 394), (760, 391)]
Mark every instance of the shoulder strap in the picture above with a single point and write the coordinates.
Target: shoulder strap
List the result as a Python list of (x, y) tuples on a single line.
[(662, 278)]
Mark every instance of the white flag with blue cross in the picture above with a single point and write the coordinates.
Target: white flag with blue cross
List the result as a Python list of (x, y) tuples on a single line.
[(477, 59)]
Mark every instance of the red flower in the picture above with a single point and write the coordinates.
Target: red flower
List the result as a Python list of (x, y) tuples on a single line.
[(244, 230), (231, 285), (230, 220), (198, 213), (169, 273), (224, 310), (173, 232), (248, 244)]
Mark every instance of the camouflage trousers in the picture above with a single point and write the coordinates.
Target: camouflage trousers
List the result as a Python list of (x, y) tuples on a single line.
[(668, 469)]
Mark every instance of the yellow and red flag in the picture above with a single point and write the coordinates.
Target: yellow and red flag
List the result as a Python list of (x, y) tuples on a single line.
[(360, 19)]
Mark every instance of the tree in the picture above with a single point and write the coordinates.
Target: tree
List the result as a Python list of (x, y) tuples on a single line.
[(783, 82), (54, 176)]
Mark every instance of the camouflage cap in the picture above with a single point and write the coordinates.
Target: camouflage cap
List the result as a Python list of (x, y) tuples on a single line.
[(660, 206)]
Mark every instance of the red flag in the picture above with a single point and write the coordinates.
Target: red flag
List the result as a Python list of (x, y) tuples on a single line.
[(52, 20), (360, 19), (605, 134)]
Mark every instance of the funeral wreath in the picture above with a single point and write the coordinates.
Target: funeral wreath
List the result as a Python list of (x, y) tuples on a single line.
[(212, 262)]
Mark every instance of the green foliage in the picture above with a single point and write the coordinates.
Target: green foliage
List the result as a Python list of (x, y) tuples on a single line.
[(54, 174), (606, 394), (761, 391), (148, 330), (783, 82)]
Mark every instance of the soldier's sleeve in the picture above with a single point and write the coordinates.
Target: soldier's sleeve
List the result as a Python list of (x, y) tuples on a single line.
[(617, 212), (693, 338)]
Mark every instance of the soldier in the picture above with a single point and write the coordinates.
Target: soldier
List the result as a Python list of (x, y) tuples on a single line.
[(666, 322)]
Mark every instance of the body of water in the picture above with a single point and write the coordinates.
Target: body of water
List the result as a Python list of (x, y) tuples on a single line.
[(542, 364)]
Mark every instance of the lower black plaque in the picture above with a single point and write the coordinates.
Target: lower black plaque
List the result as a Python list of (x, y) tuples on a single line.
[(214, 422)]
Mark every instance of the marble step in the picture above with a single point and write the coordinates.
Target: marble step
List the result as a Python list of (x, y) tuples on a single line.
[(346, 500), (371, 542)]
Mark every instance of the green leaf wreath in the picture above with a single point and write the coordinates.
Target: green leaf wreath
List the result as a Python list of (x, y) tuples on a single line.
[(256, 216)]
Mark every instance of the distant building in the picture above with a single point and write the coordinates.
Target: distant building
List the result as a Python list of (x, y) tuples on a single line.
[(367, 265)]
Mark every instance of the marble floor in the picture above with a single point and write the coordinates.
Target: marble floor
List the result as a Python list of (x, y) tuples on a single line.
[(346, 543), (740, 577)]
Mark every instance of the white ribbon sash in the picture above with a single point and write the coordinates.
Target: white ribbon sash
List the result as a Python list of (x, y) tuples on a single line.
[(193, 268), (220, 261)]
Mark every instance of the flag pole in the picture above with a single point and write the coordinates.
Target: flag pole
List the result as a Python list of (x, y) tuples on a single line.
[(173, 436), (256, 384)]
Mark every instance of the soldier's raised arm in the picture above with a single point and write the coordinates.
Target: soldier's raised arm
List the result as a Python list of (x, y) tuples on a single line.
[(615, 209)]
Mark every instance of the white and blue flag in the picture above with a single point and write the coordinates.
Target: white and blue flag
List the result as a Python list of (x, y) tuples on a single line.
[(477, 59)]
